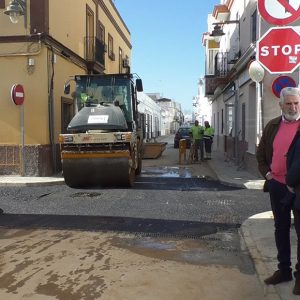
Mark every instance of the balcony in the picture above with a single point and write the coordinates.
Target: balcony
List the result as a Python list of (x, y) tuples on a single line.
[(95, 54), (219, 78)]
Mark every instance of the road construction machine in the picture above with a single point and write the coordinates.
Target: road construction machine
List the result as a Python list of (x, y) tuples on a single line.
[(103, 143)]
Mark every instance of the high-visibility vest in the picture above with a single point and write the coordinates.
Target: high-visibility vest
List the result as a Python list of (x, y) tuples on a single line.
[(197, 132), (208, 133)]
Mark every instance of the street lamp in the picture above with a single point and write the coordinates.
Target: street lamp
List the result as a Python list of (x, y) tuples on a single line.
[(15, 9), (217, 32)]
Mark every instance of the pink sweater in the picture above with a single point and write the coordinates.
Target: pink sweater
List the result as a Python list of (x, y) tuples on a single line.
[(281, 144)]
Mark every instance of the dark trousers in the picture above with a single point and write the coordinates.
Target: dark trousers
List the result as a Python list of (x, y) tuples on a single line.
[(281, 208), (199, 145), (196, 147), (207, 143)]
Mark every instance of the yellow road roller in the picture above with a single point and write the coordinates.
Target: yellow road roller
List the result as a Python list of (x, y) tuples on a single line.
[(103, 146)]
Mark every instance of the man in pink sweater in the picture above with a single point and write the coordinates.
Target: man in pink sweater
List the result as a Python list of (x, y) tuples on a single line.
[(271, 157)]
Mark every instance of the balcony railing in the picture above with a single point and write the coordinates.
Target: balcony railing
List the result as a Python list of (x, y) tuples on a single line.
[(94, 50), (219, 78), (221, 64)]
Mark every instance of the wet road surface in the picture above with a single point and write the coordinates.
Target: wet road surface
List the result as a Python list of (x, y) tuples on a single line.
[(175, 235)]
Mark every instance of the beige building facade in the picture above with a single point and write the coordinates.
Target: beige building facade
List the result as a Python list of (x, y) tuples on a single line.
[(53, 40)]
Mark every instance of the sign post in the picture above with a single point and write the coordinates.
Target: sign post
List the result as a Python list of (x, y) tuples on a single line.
[(279, 46), (18, 96)]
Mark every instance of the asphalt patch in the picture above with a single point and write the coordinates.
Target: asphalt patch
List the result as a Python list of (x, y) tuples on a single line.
[(137, 226), (181, 184)]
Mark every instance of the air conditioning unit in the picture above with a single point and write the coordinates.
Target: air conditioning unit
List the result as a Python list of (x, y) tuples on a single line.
[(126, 63)]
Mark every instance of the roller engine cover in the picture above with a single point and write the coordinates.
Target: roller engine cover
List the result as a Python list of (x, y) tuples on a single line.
[(100, 117)]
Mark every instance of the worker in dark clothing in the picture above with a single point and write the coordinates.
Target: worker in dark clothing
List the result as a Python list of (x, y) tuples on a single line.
[(208, 139)]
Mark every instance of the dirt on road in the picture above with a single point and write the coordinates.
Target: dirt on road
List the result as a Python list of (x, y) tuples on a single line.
[(41, 264), (69, 265)]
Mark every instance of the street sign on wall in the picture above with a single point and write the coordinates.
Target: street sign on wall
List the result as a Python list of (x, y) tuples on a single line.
[(279, 12), (278, 50)]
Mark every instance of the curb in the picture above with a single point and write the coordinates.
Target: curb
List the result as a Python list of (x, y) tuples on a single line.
[(18, 182), (252, 184), (261, 268)]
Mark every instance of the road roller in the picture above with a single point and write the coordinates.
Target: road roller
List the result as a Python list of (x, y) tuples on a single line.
[(103, 143)]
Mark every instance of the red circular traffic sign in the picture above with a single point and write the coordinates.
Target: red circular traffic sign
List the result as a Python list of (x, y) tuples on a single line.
[(17, 94), (279, 50), (282, 82), (279, 12)]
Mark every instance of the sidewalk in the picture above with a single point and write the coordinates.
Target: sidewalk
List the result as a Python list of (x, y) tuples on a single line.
[(257, 231), (18, 180)]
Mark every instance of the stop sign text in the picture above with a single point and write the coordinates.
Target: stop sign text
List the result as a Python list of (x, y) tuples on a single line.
[(280, 50)]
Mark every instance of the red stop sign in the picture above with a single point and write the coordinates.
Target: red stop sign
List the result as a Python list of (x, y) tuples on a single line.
[(17, 94), (279, 50)]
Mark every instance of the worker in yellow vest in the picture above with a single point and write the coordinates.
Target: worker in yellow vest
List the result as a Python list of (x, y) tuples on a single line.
[(196, 133), (208, 139)]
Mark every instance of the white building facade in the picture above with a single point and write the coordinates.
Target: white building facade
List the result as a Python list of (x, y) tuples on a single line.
[(201, 105), (240, 107), (151, 115), (171, 115)]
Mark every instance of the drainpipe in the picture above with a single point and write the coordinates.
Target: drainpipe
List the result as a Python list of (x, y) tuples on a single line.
[(236, 119), (51, 107), (259, 104)]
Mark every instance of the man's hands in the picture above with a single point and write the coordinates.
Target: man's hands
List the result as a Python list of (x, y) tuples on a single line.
[(269, 176), (292, 190)]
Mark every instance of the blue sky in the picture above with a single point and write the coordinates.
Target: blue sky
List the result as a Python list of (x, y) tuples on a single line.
[(166, 38)]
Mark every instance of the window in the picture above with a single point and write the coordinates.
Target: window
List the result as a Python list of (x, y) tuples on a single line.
[(89, 33), (89, 22), (222, 122), (218, 122), (2, 3), (111, 53), (243, 122), (211, 61), (120, 60), (101, 32), (97, 90), (67, 113), (229, 119), (253, 26)]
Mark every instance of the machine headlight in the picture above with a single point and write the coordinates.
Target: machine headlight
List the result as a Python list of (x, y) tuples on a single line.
[(123, 136), (65, 139)]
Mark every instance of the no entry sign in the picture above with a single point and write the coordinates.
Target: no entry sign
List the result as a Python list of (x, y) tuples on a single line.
[(279, 50), (17, 94), (279, 12)]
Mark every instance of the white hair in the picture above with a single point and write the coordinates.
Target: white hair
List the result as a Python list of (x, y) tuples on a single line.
[(288, 91)]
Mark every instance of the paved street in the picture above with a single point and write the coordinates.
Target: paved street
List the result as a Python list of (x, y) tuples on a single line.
[(174, 235)]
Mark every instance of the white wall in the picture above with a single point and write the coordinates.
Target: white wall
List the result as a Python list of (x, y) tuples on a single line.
[(152, 110)]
